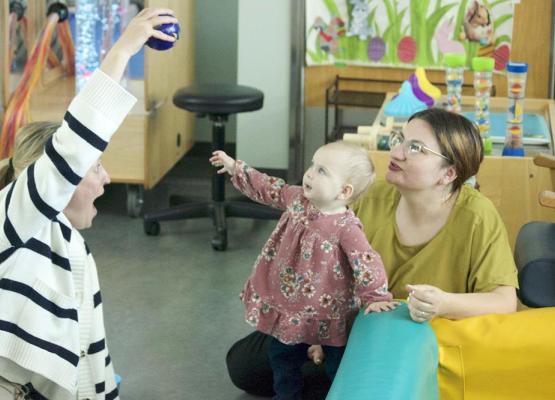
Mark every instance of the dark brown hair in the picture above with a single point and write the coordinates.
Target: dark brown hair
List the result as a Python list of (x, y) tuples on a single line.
[(459, 140)]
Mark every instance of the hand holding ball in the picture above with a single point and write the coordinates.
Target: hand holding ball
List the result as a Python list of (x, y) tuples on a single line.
[(168, 29)]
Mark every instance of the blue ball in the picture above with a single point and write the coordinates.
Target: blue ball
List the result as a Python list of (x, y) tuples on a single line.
[(168, 29)]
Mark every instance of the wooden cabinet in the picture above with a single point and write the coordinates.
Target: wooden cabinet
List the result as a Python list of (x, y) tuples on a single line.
[(155, 134)]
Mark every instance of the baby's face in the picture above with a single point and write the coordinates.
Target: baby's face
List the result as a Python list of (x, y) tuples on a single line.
[(323, 181)]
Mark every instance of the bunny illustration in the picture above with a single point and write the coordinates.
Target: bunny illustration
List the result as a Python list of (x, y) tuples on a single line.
[(478, 25), (443, 37), (359, 21)]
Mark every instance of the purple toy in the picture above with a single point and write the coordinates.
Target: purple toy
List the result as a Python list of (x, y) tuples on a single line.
[(419, 93), (168, 29)]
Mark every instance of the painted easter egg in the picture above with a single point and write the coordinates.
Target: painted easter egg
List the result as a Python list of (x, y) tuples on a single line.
[(501, 56), (376, 49), (406, 50)]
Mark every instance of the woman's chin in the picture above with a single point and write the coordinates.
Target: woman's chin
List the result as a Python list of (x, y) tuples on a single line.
[(86, 223), (83, 225), (391, 176), (395, 178)]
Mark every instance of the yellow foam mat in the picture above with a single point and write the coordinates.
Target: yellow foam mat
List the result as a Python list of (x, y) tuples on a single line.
[(499, 356)]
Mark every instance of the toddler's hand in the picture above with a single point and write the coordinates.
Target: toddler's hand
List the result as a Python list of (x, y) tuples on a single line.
[(221, 159), (380, 306)]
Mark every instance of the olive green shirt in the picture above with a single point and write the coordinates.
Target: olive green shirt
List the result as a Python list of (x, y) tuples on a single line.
[(471, 253)]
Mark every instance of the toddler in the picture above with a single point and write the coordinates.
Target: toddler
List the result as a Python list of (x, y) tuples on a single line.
[(317, 269)]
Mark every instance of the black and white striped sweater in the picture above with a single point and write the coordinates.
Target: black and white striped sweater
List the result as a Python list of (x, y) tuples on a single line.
[(42, 312)]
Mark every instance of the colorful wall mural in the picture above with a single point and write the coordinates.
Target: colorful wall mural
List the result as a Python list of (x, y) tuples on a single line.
[(407, 33)]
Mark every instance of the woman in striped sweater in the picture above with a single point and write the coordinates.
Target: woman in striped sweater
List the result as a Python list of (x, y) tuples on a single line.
[(52, 342)]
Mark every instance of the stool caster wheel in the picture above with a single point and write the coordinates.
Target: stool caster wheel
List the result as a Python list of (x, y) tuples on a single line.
[(135, 200), (151, 228), (219, 242)]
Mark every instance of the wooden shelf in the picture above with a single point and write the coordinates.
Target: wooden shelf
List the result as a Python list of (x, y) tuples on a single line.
[(341, 94), (352, 98)]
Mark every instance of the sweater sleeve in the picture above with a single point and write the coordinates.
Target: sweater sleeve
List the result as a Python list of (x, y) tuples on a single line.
[(45, 187), (368, 270), (260, 187)]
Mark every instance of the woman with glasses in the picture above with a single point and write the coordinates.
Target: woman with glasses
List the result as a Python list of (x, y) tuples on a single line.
[(443, 243)]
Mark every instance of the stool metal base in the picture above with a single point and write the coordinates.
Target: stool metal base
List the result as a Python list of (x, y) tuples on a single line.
[(217, 210)]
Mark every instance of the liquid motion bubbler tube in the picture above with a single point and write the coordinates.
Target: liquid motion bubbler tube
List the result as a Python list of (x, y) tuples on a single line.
[(483, 69), (454, 78), (516, 79)]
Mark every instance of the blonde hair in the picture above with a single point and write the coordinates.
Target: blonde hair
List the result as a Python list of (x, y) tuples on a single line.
[(358, 167), (28, 147)]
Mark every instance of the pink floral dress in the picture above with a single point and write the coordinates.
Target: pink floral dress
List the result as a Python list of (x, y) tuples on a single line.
[(314, 272)]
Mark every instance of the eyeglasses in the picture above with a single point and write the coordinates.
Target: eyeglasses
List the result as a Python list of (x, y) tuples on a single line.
[(411, 147)]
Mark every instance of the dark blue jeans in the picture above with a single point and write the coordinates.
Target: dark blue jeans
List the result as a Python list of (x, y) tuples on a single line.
[(286, 362)]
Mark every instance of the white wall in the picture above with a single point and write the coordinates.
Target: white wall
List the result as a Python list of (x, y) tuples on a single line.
[(216, 54), (263, 62)]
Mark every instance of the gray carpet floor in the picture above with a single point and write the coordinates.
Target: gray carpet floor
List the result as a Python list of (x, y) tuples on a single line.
[(171, 303)]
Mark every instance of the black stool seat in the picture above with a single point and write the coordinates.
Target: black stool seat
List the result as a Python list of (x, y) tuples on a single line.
[(218, 99)]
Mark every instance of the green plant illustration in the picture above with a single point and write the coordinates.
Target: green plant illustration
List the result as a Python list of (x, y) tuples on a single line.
[(423, 17), (423, 27), (393, 34)]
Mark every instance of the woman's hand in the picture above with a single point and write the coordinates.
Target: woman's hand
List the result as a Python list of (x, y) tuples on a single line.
[(139, 30), (221, 159), (380, 306), (425, 302)]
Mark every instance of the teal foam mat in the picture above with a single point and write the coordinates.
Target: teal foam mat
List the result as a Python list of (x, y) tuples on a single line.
[(389, 356)]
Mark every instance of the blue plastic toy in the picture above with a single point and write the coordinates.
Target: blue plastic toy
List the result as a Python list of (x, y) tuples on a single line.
[(405, 103)]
